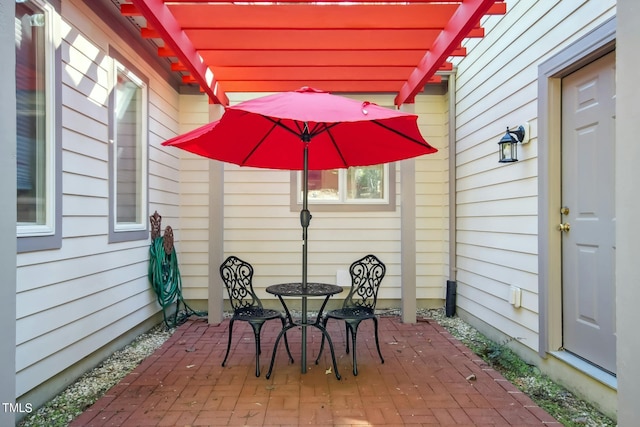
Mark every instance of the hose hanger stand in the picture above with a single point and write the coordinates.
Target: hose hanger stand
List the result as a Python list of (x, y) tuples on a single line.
[(164, 274)]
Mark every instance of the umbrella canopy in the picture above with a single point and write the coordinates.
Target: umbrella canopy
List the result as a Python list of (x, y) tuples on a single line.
[(272, 131), (307, 129)]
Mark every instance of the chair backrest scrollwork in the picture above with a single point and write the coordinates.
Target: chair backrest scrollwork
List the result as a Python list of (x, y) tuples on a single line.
[(366, 275), (237, 276)]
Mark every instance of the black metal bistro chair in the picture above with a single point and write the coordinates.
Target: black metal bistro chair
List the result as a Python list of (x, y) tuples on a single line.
[(360, 303), (237, 276)]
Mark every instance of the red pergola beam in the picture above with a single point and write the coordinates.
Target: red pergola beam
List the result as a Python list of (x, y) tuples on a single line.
[(345, 86), (317, 58), (160, 18), (465, 19), (359, 39), (299, 16), (311, 73), (306, 16)]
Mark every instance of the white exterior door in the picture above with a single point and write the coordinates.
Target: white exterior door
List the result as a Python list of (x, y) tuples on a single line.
[(587, 220)]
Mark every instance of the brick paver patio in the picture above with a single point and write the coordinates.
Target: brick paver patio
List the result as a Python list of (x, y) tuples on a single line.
[(428, 379)]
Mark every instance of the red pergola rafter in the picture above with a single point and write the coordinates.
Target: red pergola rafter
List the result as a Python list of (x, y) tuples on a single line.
[(467, 14), (158, 15)]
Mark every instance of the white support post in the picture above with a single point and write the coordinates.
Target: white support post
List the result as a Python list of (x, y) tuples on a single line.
[(408, 234)]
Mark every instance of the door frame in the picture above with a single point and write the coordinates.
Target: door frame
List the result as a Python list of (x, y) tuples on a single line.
[(588, 48), (588, 250)]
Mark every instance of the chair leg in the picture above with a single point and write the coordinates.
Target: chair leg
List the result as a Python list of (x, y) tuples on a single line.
[(346, 331), (375, 323), (256, 334), (229, 343), (353, 329), (286, 342), (324, 325)]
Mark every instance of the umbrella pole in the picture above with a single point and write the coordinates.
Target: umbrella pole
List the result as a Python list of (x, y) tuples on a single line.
[(305, 219)]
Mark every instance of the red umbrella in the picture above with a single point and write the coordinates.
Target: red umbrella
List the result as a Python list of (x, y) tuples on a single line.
[(307, 129), (272, 131)]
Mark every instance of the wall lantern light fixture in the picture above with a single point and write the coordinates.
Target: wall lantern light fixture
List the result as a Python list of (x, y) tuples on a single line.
[(508, 145)]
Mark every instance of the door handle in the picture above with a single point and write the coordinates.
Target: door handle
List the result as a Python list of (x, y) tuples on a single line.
[(564, 227)]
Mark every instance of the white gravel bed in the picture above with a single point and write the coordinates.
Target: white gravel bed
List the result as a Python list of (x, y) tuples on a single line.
[(87, 389)]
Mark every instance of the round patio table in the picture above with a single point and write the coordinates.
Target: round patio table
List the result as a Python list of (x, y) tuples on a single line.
[(296, 289)]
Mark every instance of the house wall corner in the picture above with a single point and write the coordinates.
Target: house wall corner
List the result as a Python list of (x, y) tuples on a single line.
[(8, 216), (627, 207)]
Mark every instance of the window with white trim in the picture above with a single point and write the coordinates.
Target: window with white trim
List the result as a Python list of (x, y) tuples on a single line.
[(37, 174), (129, 141), (355, 185)]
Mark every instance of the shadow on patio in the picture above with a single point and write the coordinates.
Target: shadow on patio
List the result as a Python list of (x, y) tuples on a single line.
[(428, 379)]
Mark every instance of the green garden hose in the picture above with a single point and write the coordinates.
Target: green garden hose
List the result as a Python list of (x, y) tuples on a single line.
[(165, 279)]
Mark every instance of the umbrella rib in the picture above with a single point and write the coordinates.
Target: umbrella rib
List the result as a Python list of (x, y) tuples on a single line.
[(325, 128), (301, 128), (285, 127), (333, 141), (253, 150), (397, 132), (300, 131)]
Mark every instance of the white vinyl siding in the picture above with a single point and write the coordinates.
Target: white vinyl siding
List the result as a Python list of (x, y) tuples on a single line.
[(193, 243), (432, 200), (497, 203), (73, 301)]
